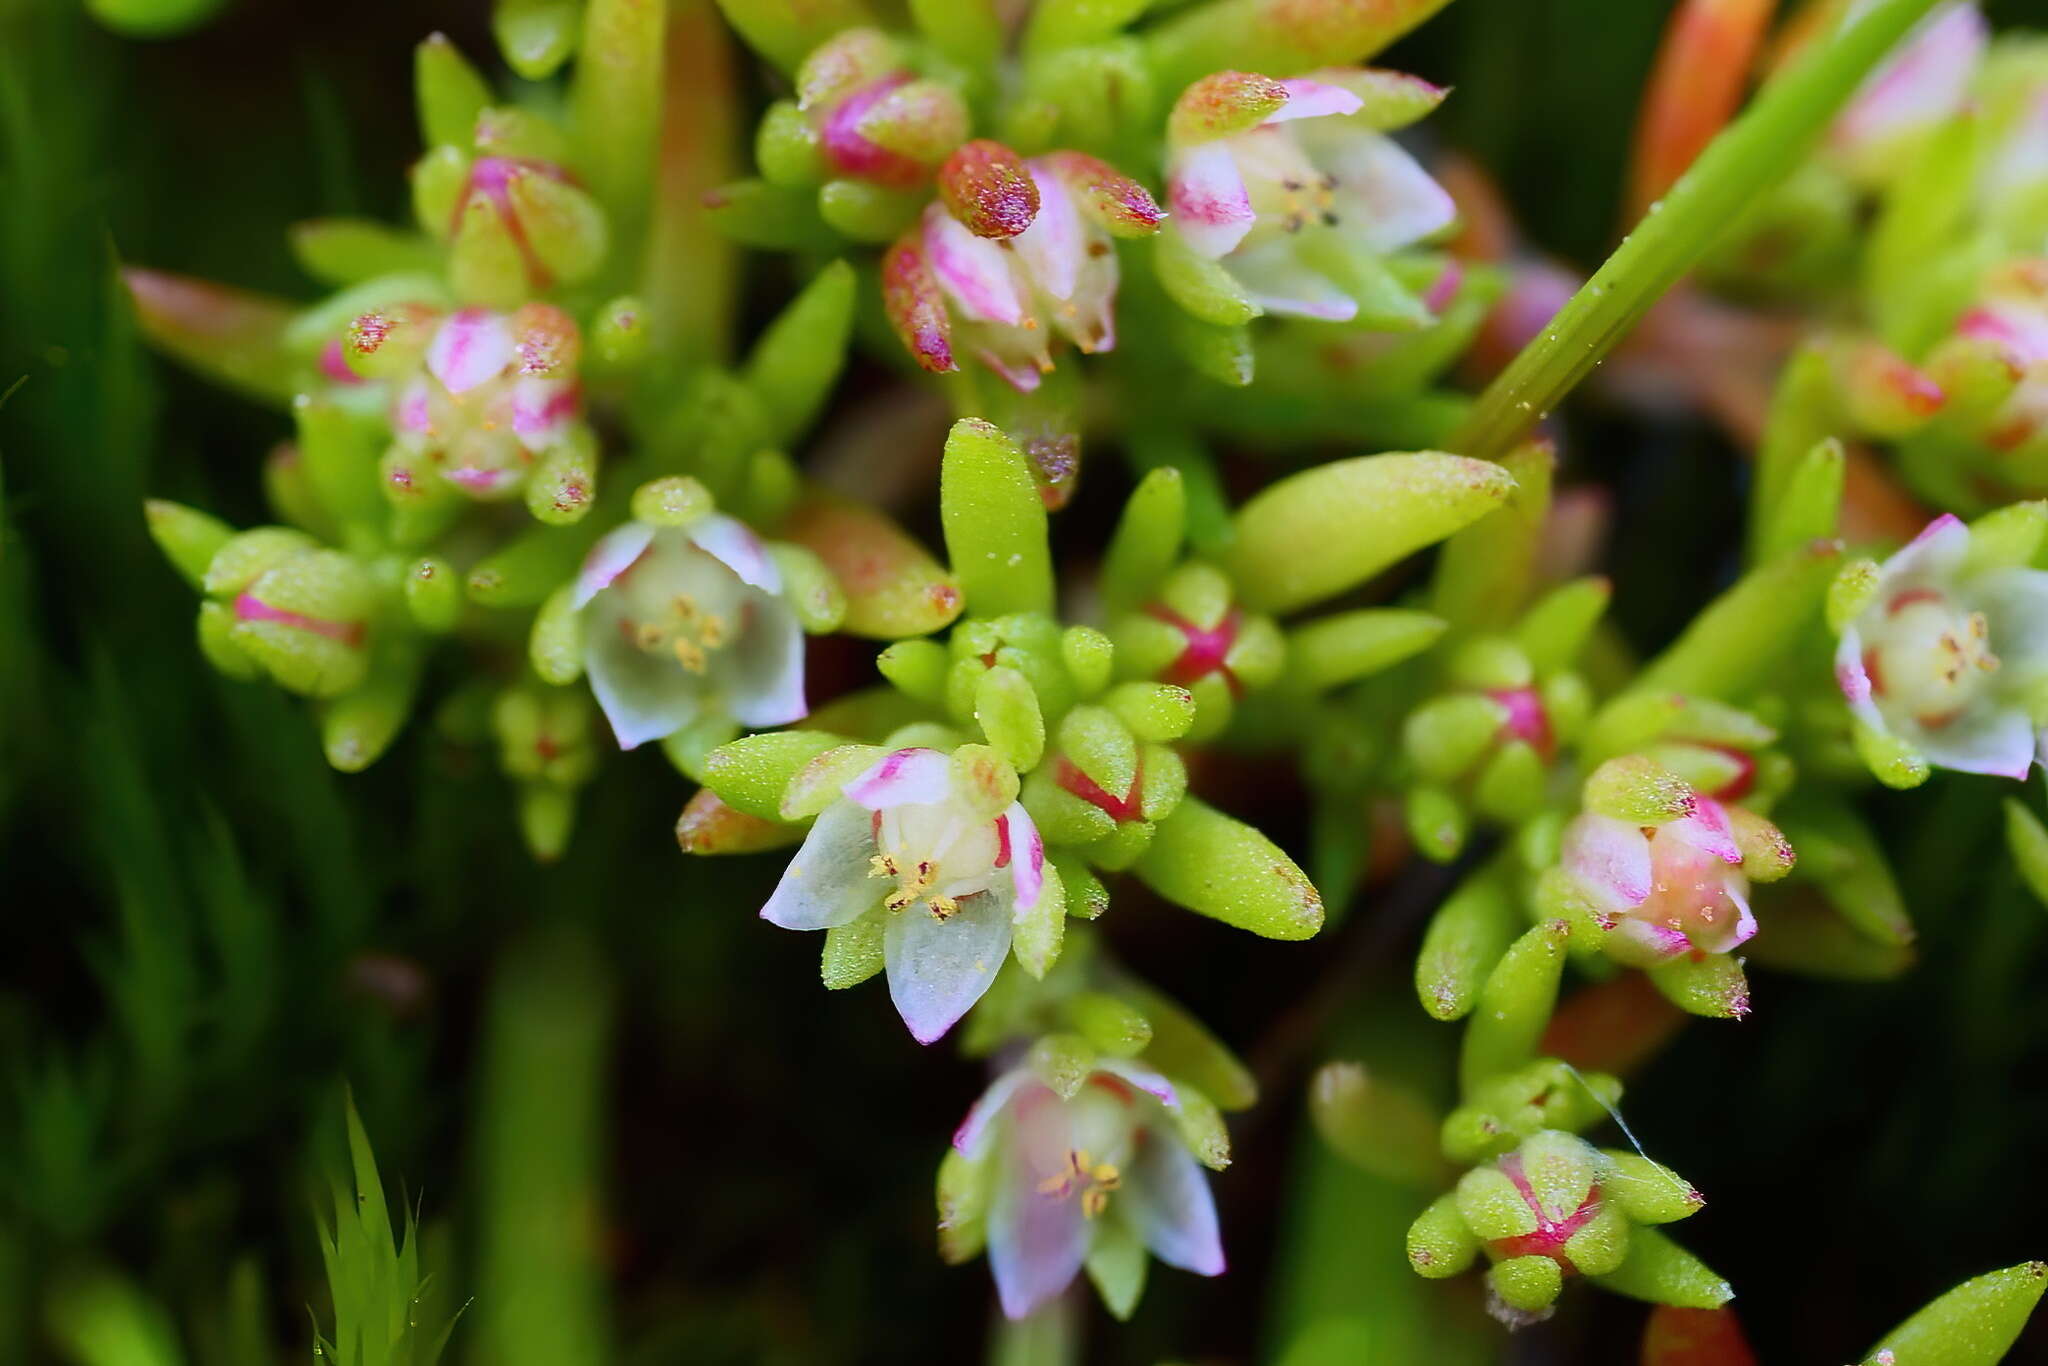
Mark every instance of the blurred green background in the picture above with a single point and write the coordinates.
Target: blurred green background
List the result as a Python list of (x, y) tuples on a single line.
[(637, 1129)]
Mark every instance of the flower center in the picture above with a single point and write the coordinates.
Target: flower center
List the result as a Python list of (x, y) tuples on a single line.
[(1550, 1235), (1208, 649), (687, 631), (1929, 657), (936, 854), (1095, 1182), (1689, 893), (690, 613), (1287, 191)]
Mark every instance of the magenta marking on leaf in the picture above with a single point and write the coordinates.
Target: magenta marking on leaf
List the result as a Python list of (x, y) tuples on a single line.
[(249, 607)]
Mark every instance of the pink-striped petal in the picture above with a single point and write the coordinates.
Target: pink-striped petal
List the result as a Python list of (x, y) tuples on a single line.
[(730, 542), (1054, 247), (974, 271), (474, 345), (1707, 830), (1212, 209), (908, 777), (1027, 857), (1307, 99), (1610, 859), (615, 553)]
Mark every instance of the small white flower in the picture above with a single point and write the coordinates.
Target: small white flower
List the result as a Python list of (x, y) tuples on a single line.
[(1946, 652), (683, 622), (953, 882), (1064, 1170), (1268, 199)]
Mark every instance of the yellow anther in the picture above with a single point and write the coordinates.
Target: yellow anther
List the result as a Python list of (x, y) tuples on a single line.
[(649, 635), (943, 907), (689, 655), (712, 632), (881, 865)]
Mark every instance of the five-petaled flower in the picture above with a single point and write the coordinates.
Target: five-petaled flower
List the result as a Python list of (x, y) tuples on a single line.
[(910, 839), (1948, 652), (1065, 1173), (686, 623), (1662, 890), (1025, 254), (1276, 181)]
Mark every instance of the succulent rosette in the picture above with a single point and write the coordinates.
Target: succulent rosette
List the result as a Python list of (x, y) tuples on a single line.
[(687, 622), (914, 839), (1280, 182), (1942, 648), (1095, 1175)]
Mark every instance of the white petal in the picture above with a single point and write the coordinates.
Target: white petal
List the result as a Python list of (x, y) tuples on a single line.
[(1036, 1241), (644, 696), (612, 556), (1153, 1084), (1211, 208), (2015, 606), (472, 346), (765, 679), (906, 777), (828, 882), (972, 1137), (1307, 99), (1707, 829), (1931, 557), (939, 968), (974, 271), (733, 545), (1385, 200), (1984, 739), (1610, 859), (1054, 246), (1274, 276), (1170, 1206)]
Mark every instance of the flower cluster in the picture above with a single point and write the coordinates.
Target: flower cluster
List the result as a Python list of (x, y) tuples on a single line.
[(1190, 259)]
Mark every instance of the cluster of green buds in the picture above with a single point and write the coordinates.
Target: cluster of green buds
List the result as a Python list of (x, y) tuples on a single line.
[(1556, 1206)]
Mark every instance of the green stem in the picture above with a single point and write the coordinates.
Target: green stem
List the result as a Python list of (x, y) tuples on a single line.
[(1749, 157)]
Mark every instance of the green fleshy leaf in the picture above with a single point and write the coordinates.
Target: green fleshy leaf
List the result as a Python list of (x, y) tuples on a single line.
[(1514, 1006), (1659, 1271), (1974, 1324), (1326, 530), (1215, 864), (797, 361), (994, 523)]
